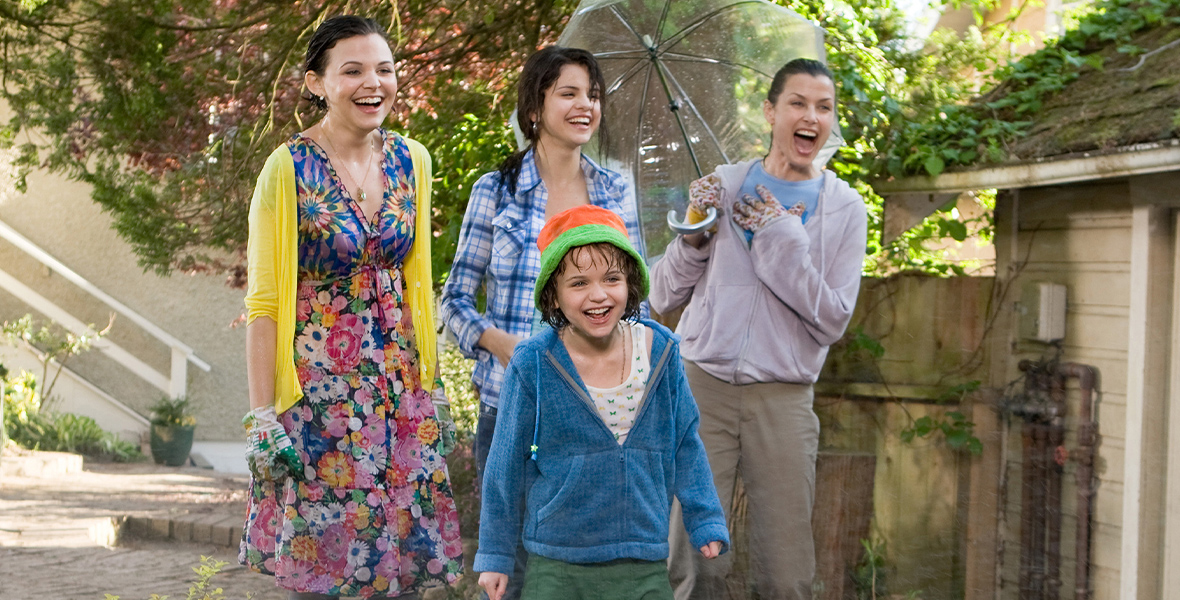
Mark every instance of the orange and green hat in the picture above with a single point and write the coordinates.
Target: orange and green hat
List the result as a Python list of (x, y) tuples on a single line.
[(581, 226)]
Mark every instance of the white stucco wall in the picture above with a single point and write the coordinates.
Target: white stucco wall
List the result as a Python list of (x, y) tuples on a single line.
[(59, 216)]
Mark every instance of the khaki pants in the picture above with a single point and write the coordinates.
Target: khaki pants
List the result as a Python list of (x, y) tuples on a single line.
[(771, 431)]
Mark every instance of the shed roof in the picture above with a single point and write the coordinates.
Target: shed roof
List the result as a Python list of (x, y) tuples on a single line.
[(1130, 106), (1130, 100)]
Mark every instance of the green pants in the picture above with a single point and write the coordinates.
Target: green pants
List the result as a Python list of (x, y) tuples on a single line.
[(548, 579)]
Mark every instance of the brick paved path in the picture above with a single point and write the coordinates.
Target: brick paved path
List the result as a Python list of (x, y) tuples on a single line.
[(130, 530), (133, 572), (52, 519)]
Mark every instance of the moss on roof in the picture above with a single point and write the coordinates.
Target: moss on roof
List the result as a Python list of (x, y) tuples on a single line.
[(1112, 81), (1132, 99)]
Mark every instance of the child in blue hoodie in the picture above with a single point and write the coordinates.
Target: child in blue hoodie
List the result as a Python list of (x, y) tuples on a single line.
[(597, 432)]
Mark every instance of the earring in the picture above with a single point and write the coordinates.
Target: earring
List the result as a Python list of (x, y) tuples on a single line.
[(534, 128)]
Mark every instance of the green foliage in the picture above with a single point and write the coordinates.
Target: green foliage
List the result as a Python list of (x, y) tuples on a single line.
[(169, 108), (888, 81), (468, 133), (917, 249), (958, 431), (858, 343), (455, 371), (172, 412), (20, 394), (868, 578), (960, 133), (55, 343), (29, 427), (202, 586), (66, 432)]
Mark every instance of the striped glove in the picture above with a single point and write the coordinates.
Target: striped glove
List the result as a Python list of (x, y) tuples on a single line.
[(269, 452)]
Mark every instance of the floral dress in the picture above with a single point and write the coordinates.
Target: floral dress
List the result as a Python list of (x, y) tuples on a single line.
[(375, 515)]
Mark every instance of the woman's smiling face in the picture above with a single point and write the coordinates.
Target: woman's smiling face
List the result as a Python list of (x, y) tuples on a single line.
[(801, 119), (572, 110), (358, 82)]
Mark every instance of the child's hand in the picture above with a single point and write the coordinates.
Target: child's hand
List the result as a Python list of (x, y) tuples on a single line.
[(495, 584), (713, 550)]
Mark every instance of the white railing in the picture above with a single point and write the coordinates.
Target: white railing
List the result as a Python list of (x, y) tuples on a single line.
[(174, 384)]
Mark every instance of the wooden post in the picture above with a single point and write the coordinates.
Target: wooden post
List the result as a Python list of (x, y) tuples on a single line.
[(841, 519), (985, 497)]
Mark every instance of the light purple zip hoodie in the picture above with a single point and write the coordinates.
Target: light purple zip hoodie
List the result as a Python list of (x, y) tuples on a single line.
[(766, 312)]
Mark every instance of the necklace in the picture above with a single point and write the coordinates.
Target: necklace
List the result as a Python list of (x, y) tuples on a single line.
[(343, 163), (623, 373), (622, 346)]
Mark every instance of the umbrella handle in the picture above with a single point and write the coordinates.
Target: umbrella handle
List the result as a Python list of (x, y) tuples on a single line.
[(688, 229)]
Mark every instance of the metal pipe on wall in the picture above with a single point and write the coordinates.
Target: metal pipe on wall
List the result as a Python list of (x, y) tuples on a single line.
[(1043, 408), (1028, 590), (1055, 456), (1084, 474)]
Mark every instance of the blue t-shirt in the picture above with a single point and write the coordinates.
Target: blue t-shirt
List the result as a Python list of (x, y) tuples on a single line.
[(788, 193)]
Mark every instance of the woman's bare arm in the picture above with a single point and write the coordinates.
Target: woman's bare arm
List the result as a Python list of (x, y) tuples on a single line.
[(261, 337)]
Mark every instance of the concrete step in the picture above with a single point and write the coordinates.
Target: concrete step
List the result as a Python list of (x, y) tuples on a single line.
[(39, 464)]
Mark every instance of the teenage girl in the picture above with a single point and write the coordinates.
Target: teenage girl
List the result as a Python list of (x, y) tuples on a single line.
[(558, 109)]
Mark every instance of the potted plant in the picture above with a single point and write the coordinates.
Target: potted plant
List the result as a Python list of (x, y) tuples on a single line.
[(172, 431)]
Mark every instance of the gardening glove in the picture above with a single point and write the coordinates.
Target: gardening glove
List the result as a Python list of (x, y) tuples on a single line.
[(702, 194), (753, 214), (269, 452), (442, 414)]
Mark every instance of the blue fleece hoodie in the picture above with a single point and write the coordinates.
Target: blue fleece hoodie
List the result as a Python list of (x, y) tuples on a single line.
[(586, 498)]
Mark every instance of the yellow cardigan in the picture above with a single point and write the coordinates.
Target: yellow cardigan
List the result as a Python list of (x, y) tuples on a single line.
[(273, 259)]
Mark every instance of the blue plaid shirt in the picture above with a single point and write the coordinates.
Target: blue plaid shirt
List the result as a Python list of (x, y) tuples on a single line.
[(498, 248)]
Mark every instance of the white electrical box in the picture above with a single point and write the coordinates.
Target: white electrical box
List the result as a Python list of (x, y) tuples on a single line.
[(1042, 312)]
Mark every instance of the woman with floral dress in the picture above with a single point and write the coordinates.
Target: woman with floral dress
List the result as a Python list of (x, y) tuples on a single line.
[(349, 425)]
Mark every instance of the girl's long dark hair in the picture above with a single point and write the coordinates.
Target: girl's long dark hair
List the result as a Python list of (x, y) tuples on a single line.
[(539, 74)]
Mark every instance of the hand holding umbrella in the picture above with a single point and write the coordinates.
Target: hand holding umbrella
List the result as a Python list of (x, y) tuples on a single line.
[(685, 86), (704, 198)]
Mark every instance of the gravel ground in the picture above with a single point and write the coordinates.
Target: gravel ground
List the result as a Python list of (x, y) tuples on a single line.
[(57, 541), (49, 524)]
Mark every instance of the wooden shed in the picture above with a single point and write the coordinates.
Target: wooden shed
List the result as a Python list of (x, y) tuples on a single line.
[(1089, 200)]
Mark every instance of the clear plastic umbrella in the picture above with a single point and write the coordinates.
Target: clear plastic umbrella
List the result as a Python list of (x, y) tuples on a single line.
[(685, 81)]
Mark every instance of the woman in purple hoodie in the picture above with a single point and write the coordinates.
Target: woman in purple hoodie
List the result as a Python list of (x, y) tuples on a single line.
[(766, 294)]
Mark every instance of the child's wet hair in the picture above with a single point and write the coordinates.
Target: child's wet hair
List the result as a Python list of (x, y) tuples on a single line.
[(587, 256)]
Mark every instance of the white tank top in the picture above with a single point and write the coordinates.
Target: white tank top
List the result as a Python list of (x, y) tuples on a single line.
[(619, 406)]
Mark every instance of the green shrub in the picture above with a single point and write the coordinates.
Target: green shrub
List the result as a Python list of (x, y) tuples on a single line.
[(171, 412), (29, 427), (455, 371), (66, 432)]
